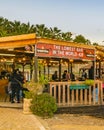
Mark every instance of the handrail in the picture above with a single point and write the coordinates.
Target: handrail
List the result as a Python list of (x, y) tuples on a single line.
[(78, 95)]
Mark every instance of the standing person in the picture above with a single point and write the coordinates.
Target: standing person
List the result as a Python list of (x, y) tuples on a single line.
[(91, 73), (15, 86), (21, 81), (54, 76)]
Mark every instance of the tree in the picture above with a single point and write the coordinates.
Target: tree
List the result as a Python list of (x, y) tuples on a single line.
[(3, 24), (66, 36), (8, 28), (27, 28), (55, 33), (41, 30), (95, 44), (81, 39), (88, 42)]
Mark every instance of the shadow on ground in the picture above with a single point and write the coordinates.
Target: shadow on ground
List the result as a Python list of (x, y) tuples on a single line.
[(96, 111)]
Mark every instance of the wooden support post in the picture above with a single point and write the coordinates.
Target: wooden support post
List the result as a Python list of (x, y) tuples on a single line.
[(35, 65), (59, 70), (99, 69)]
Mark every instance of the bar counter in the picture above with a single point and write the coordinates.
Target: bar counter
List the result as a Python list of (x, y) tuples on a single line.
[(3, 83)]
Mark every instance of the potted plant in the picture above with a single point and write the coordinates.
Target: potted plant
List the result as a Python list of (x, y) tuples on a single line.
[(33, 88)]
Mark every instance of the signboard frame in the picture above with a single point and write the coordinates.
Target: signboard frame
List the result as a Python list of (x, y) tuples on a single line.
[(63, 51)]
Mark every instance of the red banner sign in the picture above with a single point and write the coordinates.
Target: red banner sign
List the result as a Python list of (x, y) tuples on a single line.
[(61, 51)]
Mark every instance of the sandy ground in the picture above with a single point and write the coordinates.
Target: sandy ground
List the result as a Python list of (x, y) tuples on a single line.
[(90, 120)]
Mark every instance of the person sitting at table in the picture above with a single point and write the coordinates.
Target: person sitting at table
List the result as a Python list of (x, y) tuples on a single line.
[(65, 76), (84, 75), (72, 76), (54, 76)]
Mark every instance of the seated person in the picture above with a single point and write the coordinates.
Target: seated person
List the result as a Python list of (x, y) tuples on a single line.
[(65, 76), (72, 77), (84, 75), (3, 74), (54, 76)]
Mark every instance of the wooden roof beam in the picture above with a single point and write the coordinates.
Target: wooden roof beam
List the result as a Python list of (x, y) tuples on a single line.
[(65, 43), (17, 41)]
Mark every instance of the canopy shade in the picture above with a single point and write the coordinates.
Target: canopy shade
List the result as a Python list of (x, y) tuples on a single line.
[(21, 41), (17, 41)]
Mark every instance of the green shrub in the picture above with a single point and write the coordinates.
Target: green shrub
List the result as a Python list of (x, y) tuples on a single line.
[(28, 94), (43, 105), (89, 82)]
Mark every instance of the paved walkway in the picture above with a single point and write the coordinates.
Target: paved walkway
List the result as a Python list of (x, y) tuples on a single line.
[(12, 118)]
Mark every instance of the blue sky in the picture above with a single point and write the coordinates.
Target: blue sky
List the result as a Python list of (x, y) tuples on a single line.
[(85, 17)]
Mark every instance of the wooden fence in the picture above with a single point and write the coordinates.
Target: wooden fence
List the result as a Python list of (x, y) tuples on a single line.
[(76, 94)]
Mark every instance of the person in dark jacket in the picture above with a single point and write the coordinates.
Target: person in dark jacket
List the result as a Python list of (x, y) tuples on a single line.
[(54, 76), (15, 86), (91, 73), (65, 76)]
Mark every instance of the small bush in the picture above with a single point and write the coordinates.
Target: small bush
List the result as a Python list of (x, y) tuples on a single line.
[(89, 82), (28, 94), (43, 105)]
